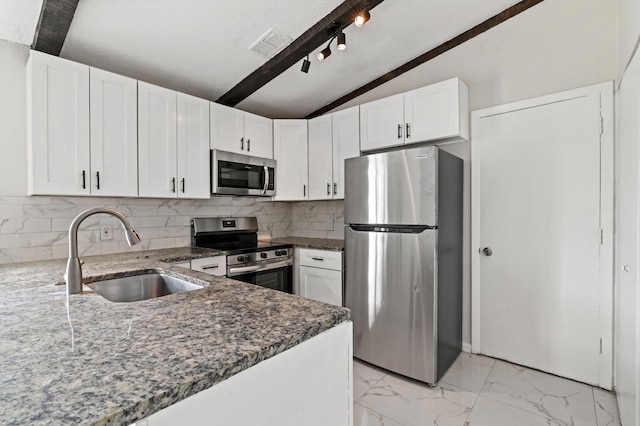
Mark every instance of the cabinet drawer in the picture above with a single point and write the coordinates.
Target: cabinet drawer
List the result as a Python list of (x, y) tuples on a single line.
[(211, 265), (325, 259)]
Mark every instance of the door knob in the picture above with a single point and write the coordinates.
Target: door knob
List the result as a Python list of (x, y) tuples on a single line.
[(487, 251)]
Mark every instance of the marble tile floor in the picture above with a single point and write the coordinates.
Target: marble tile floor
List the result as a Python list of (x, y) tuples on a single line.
[(479, 391)]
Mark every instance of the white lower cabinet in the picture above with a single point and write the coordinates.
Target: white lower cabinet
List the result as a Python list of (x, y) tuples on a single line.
[(320, 275), (216, 265), (309, 384)]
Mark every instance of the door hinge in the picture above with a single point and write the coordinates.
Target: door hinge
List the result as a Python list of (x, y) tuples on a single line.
[(601, 125)]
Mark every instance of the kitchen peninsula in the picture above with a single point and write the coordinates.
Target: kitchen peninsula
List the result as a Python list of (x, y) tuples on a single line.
[(99, 362)]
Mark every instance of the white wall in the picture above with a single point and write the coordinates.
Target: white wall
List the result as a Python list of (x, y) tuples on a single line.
[(627, 199), (554, 46)]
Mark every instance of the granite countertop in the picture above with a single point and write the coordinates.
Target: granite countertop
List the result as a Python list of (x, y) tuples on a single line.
[(92, 361), (313, 243)]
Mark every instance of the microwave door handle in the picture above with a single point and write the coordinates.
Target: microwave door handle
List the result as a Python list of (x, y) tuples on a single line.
[(266, 179)]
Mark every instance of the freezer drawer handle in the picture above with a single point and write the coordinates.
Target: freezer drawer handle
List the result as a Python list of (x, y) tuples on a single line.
[(318, 258)]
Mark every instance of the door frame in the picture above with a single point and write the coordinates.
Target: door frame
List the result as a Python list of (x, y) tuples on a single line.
[(603, 91)]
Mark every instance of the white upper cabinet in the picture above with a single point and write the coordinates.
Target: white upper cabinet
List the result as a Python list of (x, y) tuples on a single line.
[(436, 112), (57, 126), (439, 111), (332, 139), (173, 144), (157, 141), (290, 152), (346, 144), (320, 158), (381, 123), (240, 132), (258, 134), (114, 134), (193, 147)]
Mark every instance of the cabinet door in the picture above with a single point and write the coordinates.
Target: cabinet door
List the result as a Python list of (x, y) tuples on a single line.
[(323, 285), (156, 141), (438, 111), (258, 135), (193, 147), (320, 158), (227, 128), (382, 123), (346, 144), (58, 126), (290, 152), (114, 134)]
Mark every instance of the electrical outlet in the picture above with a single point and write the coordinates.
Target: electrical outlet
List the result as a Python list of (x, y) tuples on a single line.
[(330, 224), (105, 232)]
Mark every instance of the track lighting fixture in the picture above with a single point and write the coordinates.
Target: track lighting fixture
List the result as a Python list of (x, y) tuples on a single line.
[(305, 65), (342, 41), (362, 18), (326, 52)]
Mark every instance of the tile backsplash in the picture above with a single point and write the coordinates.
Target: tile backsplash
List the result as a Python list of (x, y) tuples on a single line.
[(36, 228), (318, 219)]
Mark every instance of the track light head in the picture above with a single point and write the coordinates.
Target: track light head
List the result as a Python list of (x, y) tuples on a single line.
[(362, 18), (342, 41), (305, 65), (324, 53)]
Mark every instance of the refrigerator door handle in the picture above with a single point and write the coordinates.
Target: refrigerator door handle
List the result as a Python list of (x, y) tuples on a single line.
[(398, 229)]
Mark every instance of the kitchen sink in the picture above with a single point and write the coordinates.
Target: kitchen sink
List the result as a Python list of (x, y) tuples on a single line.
[(141, 287)]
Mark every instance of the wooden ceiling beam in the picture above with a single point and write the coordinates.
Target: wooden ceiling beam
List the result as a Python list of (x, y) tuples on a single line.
[(444, 47), (55, 20), (298, 49)]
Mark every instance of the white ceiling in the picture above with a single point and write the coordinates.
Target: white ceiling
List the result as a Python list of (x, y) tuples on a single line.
[(200, 47)]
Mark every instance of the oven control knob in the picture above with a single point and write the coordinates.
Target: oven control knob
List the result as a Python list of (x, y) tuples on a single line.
[(278, 253), (283, 253), (263, 255), (240, 258)]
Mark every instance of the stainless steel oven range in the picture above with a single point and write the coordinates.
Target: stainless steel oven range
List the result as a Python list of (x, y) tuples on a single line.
[(262, 263)]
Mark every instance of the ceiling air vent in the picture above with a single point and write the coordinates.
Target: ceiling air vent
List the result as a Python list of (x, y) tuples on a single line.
[(270, 43)]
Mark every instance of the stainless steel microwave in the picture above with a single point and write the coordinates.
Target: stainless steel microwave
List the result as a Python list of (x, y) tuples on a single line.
[(237, 174)]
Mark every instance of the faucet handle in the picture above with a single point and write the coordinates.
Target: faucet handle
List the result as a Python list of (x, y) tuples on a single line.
[(81, 261)]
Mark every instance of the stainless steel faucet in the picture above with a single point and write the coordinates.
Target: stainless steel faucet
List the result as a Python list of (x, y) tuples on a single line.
[(73, 275)]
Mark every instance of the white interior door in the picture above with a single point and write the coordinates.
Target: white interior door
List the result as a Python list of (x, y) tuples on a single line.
[(543, 206)]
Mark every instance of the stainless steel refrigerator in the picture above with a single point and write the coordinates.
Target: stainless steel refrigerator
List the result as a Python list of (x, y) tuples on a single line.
[(403, 249)]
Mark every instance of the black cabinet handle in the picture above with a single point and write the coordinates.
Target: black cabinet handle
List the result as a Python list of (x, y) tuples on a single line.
[(335, 188), (399, 131), (84, 180), (304, 190), (248, 145), (318, 258), (97, 180), (173, 185), (328, 189), (241, 144), (408, 130), (183, 185)]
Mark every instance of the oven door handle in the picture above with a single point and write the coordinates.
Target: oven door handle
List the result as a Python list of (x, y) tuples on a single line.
[(265, 266), (266, 179)]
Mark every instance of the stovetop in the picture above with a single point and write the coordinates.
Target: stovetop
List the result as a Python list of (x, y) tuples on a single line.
[(241, 247)]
